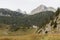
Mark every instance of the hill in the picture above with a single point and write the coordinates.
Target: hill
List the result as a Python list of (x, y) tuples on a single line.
[(17, 20)]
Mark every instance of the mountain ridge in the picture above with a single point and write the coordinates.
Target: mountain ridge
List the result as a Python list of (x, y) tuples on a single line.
[(42, 8)]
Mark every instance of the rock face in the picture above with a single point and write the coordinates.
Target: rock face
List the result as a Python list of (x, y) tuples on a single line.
[(54, 25), (42, 8)]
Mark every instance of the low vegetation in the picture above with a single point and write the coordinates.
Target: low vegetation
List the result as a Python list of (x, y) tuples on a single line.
[(32, 37)]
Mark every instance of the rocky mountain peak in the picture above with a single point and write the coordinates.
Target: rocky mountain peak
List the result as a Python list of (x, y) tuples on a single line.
[(42, 8)]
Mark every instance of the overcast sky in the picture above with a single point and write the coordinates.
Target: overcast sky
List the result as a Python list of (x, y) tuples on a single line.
[(27, 5)]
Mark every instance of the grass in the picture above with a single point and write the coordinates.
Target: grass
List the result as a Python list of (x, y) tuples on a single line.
[(27, 35), (5, 32), (32, 37)]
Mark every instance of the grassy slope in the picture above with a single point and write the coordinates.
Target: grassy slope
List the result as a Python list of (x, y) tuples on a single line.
[(5, 32), (32, 37), (29, 35)]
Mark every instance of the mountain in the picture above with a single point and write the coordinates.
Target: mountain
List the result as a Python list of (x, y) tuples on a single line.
[(54, 25), (20, 11), (41, 18), (17, 20), (7, 12), (42, 8)]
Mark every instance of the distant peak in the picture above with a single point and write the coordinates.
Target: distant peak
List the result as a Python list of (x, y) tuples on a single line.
[(42, 5), (42, 8)]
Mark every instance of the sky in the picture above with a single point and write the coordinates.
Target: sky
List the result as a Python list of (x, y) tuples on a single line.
[(28, 5)]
